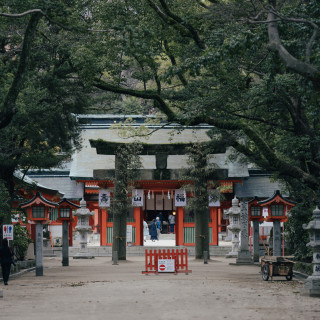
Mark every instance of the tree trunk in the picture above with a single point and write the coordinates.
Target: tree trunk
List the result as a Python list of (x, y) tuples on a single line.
[(120, 209), (198, 234), (116, 234), (123, 235)]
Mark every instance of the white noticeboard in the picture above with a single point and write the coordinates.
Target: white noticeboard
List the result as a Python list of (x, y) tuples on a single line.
[(166, 265), (7, 231), (180, 197), (104, 198), (137, 198), (129, 233)]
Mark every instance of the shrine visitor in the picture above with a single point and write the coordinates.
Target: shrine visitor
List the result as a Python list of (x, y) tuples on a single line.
[(172, 221), (153, 230), (159, 227), (5, 260)]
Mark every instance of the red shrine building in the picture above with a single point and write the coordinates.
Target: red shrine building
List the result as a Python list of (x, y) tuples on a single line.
[(89, 174)]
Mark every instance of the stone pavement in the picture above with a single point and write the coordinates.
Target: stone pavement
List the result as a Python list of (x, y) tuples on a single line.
[(96, 289)]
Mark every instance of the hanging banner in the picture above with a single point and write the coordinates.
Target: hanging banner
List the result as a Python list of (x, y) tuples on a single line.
[(137, 198), (104, 198), (180, 198)]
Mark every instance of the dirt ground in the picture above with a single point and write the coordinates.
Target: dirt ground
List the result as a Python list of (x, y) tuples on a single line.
[(96, 289)]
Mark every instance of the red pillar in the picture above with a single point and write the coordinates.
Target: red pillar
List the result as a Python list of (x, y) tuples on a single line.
[(219, 220), (214, 219), (103, 227), (138, 225), (179, 226)]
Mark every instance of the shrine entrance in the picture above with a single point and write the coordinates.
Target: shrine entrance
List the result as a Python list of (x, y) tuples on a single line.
[(159, 202)]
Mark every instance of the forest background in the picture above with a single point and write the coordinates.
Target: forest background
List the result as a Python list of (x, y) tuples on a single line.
[(248, 68)]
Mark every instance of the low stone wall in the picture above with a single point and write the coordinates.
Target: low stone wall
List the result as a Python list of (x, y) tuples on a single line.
[(20, 266)]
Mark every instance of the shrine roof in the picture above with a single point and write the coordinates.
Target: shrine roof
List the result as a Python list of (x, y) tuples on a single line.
[(38, 186), (276, 197), (99, 127), (257, 186), (69, 189)]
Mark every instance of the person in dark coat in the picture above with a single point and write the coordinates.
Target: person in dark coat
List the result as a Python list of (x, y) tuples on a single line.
[(153, 231), (5, 260)]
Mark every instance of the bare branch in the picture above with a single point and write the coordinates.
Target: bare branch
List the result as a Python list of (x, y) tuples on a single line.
[(19, 15)]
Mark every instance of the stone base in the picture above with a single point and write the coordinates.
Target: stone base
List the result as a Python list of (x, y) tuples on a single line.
[(39, 271), (86, 255), (244, 258), (232, 255), (311, 287)]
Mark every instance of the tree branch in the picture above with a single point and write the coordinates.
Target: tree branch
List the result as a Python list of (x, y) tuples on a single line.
[(179, 26), (314, 34), (190, 28), (19, 15), (147, 94), (174, 63), (9, 108)]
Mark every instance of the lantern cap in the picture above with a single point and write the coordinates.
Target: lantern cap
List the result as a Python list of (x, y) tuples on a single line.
[(68, 203), (37, 199), (235, 202)]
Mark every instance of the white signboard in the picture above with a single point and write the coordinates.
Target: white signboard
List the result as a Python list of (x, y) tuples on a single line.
[(104, 198), (166, 265), (7, 231), (137, 198), (180, 198), (129, 233)]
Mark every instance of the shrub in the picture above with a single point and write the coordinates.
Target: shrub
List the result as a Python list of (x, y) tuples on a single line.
[(21, 240)]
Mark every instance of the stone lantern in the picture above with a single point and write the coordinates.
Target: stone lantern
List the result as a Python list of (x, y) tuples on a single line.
[(277, 213), (312, 283), (38, 213), (234, 218), (255, 215), (65, 216), (83, 228)]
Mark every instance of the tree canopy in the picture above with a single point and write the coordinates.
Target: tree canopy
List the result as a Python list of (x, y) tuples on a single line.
[(249, 68), (40, 93)]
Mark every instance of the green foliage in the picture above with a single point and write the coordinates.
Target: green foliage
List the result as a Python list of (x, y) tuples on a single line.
[(5, 209), (303, 267), (43, 129), (128, 165), (200, 171), (297, 237), (21, 240)]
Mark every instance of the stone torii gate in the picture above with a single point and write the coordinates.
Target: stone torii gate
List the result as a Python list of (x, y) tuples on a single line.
[(161, 152)]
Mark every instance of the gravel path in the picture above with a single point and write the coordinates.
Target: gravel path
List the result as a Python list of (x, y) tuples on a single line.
[(96, 289)]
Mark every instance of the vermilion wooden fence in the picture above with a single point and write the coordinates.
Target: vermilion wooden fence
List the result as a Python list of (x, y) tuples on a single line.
[(179, 255)]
